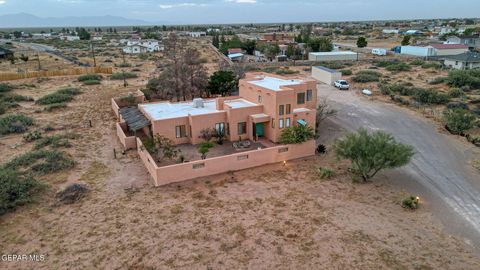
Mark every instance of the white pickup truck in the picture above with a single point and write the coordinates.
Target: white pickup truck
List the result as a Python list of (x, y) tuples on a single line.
[(341, 84)]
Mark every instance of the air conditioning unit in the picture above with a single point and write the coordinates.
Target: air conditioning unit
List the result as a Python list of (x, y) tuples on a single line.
[(198, 103)]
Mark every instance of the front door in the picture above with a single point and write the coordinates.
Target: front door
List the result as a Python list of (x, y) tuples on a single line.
[(259, 130)]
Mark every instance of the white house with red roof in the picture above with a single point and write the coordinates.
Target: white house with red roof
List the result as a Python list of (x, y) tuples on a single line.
[(448, 49)]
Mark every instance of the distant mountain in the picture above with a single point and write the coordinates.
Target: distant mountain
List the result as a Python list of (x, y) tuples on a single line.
[(29, 20)]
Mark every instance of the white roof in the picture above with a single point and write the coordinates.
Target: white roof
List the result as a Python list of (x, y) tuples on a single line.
[(274, 83), (239, 103), (167, 110), (334, 53)]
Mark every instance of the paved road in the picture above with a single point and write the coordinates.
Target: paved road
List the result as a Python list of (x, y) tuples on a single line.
[(439, 170)]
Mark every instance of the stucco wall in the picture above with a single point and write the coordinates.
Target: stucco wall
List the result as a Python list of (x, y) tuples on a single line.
[(128, 142), (180, 172)]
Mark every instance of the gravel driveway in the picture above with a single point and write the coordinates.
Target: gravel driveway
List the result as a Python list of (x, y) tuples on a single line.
[(440, 170)]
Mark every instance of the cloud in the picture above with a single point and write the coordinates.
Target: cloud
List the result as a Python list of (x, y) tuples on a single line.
[(2, 2), (169, 6), (242, 1)]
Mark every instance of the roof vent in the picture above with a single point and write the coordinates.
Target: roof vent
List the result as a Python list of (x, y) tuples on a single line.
[(198, 103)]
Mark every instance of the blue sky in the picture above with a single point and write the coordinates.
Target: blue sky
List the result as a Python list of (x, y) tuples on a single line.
[(246, 11)]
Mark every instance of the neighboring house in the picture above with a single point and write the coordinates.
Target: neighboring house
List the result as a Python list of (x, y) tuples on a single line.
[(97, 38), (235, 50), (238, 57), (390, 31), (70, 38), (413, 32), (265, 106), (5, 53), (333, 56), (448, 49), (142, 46), (276, 38), (468, 60), (197, 34), (472, 42)]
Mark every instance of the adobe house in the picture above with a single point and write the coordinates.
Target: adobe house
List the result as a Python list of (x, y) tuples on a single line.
[(265, 106)]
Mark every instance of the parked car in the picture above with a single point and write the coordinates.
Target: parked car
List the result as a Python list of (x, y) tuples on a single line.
[(342, 85)]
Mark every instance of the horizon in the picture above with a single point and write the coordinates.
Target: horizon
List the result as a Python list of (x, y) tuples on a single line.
[(208, 12)]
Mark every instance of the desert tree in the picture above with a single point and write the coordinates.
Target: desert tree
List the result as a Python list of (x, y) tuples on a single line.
[(371, 153), (362, 42)]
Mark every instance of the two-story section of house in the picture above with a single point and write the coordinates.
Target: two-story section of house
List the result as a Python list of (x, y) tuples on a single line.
[(265, 106)]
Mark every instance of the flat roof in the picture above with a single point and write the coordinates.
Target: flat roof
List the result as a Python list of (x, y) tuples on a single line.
[(334, 53), (327, 69), (273, 83), (167, 110), (239, 103)]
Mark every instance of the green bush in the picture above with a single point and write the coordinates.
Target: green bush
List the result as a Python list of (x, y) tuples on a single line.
[(457, 105), (438, 80), (16, 189), (367, 76), (54, 141), (417, 62), (432, 65), (457, 121), (455, 93), (15, 123), (11, 97), (411, 202), (325, 173), (346, 72), (430, 96), (5, 87), (297, 134), (400, 66), (55, 106), (41, 162), (122, 75), (91, 82), (59, 96), (90, 77), (464, 78)]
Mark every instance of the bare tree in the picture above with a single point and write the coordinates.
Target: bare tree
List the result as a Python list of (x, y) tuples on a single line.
[(324, 110)]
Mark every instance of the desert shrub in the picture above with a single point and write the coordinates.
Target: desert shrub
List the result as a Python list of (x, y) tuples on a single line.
[(455, 92), (16, 189), (15, 123), (5, 87), (122, 75), (41, 162), (11, 97), (403, 89), (431, 65), (464, 78), (457, 105), (398, 66), (282, 71), (59, 96), (371, 153), (55, 106), (346, 72), (417, 62), (438, 80), (457, 121), (204, 148), (430, 96), (384, 63), (124, 65), (3, 107), (32, 136), (400, 100), (72, 193), (91, 82), (475, 101), (325, 173), (367, 76), (90, 77), (297, 134), (411, 202), (54, 141)]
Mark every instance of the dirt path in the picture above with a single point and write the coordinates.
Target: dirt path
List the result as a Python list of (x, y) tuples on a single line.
[(440, 170)]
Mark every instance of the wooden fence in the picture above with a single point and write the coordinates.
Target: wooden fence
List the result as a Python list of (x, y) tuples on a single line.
[(50, 73)]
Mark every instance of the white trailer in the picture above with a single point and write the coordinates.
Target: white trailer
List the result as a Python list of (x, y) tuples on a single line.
[(325, 75), (378, 51)]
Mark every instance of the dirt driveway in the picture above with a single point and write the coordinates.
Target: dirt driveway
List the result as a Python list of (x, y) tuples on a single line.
[(440, 172)]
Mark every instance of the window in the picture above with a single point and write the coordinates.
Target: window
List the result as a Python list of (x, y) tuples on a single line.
[(280, 123), (228, 129), (273, 122), (220, 127), (287, 122), (309, 95), (242, 128), (281, 109), (288, 109), (259, 99), (180, 131), (301, 98)]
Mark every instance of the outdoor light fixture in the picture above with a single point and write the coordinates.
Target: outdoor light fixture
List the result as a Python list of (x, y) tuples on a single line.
[(284, 162)]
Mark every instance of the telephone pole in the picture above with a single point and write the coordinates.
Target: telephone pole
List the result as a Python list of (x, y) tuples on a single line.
[(93, 54)]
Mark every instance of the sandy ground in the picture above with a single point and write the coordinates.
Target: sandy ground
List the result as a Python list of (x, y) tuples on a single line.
[(271, 217)]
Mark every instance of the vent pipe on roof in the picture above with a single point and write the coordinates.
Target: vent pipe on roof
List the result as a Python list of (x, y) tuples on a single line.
[(198, 103)]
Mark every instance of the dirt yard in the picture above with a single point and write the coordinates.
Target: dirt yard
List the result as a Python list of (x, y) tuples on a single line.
[(271, 217)]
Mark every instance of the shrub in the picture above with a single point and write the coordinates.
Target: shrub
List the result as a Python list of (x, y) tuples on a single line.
[(430, 96), (325, 173), (5, 87), (367, 76), (15, 189), (15, 123), (457, 105), (32, 136), (371, 153), (410, 202), (54, 106), (457, 121), (41, 161), (11, 97), (90, 77), (72, 193), (204, 148), (91, 82), (464, 78), (55, 141), (432, 65), (297, 134), (122, 75), (400, 66), (346, 72), (438, 80), (417, 62), (59, 96)]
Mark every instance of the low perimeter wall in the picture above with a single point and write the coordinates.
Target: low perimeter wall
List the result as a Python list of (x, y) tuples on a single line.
[(128, 142), (50, 73), (210, 166)]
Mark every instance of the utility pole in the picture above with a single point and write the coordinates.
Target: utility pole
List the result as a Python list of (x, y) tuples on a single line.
[(93, 54)]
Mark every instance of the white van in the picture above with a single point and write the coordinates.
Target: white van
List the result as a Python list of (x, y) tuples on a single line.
[(380, 52)]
